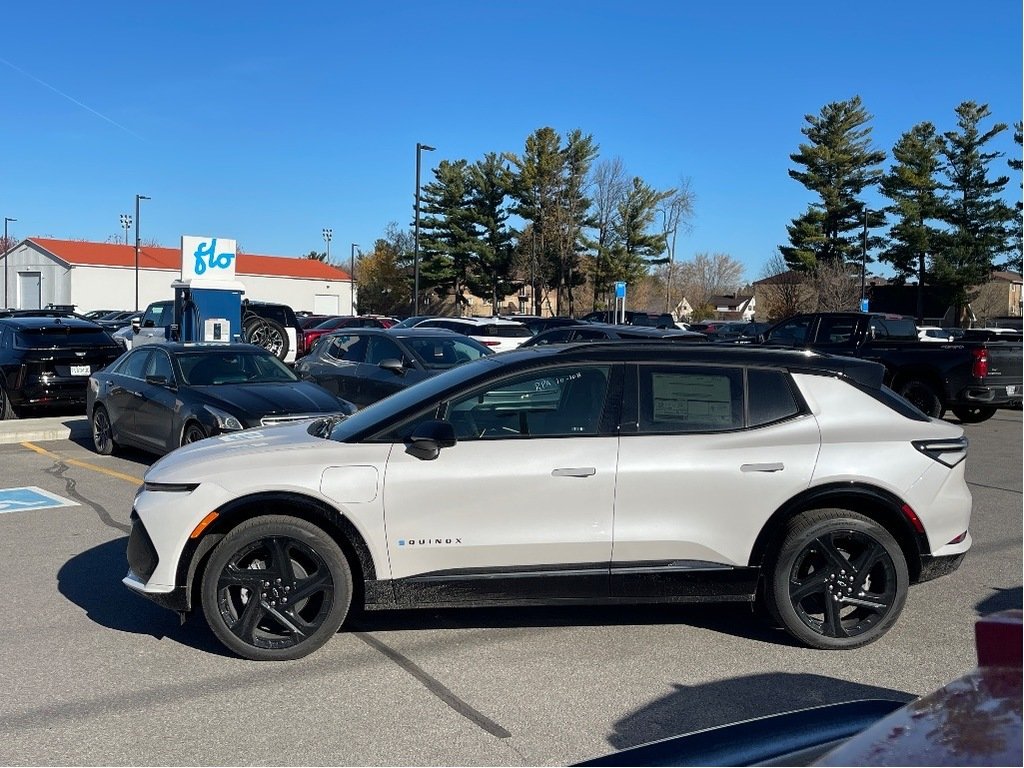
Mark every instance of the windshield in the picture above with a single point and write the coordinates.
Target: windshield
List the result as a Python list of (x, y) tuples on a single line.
[(231, 366)]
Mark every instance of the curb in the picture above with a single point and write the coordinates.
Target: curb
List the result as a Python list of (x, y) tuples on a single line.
[(53, 428)]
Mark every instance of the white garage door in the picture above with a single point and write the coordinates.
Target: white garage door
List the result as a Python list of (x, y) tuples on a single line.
[(326, 304)]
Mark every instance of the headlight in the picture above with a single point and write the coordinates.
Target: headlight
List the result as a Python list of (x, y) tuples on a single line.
[(225, 420)]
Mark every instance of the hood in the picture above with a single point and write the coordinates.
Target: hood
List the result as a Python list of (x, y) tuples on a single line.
[(253, 401), (206, 458)]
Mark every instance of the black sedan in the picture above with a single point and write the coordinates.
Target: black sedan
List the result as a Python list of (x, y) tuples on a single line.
[(364, 365), (159, 396), (608, 332)]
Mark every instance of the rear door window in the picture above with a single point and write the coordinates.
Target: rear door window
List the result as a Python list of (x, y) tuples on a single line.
[(690, 399)]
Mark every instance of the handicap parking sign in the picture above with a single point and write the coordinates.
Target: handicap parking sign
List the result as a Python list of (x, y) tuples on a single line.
[(29, 498)]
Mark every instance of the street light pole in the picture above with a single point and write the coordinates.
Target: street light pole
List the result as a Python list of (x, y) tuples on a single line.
[(126, 223), (352, 278), (416, 234), (864, 255), (138, 221), (6, 251)]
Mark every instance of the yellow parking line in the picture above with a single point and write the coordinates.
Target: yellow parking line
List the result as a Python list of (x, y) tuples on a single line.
[(83, 464)]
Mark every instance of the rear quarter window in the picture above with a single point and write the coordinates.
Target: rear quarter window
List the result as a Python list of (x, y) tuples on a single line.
[(770, 397)]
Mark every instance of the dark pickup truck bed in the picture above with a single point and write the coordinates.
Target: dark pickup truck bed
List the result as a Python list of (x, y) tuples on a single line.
[(971, 378)]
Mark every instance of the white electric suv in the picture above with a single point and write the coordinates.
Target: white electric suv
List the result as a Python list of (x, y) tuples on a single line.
[(618, 472)]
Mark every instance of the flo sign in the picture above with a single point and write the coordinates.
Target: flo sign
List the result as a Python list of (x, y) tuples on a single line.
[(205, 259)]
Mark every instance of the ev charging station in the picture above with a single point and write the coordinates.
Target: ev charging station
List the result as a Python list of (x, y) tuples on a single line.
[(207, 298)]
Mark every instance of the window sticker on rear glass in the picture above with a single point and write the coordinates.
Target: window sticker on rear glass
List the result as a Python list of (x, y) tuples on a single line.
[(687, 397)]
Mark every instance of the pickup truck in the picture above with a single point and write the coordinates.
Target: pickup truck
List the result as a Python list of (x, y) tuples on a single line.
[(970, 378)]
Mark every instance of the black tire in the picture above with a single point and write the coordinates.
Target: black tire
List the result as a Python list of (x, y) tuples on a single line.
[(193, 433), (269, 334), (276, 558), (922, 395), (6, 409), (973, 414), (102, 431), (838, 581)]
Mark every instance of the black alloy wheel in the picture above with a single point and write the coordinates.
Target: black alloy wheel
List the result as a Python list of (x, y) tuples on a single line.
[(276, 588), (839, 581), (922, 395), (192, 433), (973, 414), (102, 432)]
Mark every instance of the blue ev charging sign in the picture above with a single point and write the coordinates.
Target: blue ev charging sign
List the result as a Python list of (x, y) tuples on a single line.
[(205, 259), (29, 498)]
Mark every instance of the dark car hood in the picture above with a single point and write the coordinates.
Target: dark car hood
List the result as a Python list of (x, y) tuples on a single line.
[(271, 398)]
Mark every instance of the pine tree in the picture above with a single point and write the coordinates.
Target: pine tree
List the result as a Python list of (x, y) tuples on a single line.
[(1014, 262), (838, 164), (912, 184), (493, 246), (447, 235), (637, 248), (978, 219)]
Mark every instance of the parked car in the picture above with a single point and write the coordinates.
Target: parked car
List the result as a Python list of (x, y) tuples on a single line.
[(500, 335), (97, 314), (604, 332), (412, 322), (115, 321), (364, 365), (720, 330), (274, 327), (970, 378), (599, 472), (160, 396), (663, 320), (343, 321), (540, 324), (46, 361)]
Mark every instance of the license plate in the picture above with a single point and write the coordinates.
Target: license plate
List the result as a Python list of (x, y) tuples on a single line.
[(80, 370), (1013, 389)]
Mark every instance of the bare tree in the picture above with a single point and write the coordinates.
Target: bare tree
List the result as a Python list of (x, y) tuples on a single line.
[(676, 213), (709, 275), (836, 287), (609, 185), (781, 292)]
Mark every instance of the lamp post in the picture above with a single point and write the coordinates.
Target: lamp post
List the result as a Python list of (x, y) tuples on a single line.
[(138, 221), (416, 234), (126, 224), (352, 279), (863, 257), (328, 234), (6, 251)]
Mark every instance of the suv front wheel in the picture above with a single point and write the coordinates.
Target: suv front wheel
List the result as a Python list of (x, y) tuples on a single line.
[(838, 581), (276, 588)]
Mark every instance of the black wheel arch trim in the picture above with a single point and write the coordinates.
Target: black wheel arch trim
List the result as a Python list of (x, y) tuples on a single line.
[(882, 506), (316, 511)]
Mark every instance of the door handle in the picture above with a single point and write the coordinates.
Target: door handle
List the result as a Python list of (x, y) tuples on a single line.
[(573, 472), (776, 466)]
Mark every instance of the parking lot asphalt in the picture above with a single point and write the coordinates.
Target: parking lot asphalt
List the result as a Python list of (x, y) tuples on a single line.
[(94, 674)]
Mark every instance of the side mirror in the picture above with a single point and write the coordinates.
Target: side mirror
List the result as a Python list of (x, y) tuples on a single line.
[(160, 381), (136, 324), (430, 437), (393, 365)]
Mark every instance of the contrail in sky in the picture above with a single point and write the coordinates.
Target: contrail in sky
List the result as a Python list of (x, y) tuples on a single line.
[(70, 98)]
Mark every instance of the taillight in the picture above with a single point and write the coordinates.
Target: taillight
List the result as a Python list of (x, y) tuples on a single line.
[(949, 452), (979, 368)]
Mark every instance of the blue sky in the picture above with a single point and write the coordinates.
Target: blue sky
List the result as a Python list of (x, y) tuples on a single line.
[(267, 122)]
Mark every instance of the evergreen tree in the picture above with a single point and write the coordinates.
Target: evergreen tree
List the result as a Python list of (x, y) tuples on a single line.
[(493, 246), (912, 184), (577, 158), (447, 236), (979, 220), (837, 163), (636, 247)]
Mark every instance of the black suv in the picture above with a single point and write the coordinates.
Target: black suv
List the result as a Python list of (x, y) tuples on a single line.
[(46, 361), (646, 319)]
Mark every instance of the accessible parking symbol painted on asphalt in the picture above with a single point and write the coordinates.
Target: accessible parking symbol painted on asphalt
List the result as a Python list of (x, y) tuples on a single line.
[(29, 498)]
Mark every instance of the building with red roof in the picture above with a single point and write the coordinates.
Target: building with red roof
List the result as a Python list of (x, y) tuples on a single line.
[(40, 271)]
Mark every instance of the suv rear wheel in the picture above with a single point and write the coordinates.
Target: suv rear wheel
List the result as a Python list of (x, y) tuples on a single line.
[(838, 581), (276, 588)]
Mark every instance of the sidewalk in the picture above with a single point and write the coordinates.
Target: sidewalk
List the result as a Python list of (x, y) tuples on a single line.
[(50, 428)]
